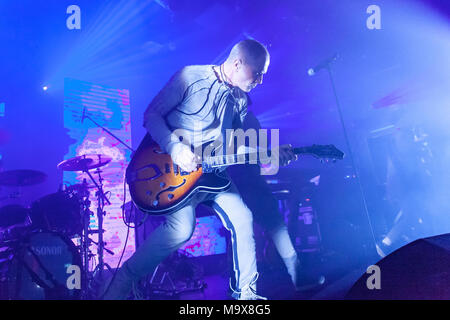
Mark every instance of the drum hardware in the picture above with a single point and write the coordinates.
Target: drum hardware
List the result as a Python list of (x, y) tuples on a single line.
[(57, 216), (62, 214), (105, 249), (80, 190), (85, 240), (100, 214), (85, 163), (34, 276)]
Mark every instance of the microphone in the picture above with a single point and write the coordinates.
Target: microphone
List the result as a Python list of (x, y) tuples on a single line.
[(325, 63), (83, 116)]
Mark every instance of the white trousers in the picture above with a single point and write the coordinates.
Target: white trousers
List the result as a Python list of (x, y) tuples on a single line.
[(178, 228)]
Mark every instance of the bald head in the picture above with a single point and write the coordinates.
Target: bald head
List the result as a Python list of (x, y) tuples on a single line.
[(251, 52), (247, 63)]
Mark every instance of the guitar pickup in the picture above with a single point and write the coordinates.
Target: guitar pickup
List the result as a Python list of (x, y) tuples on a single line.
[(175, 169), (167, 166)]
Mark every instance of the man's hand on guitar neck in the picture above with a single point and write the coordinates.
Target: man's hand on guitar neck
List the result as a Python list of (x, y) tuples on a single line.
[(183, 157), (286, 154)]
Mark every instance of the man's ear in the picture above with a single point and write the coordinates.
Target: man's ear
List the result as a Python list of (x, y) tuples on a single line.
[(237, 63)]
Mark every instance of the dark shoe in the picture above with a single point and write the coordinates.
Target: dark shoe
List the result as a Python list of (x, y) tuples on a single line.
[(307, 282), (301, 278)]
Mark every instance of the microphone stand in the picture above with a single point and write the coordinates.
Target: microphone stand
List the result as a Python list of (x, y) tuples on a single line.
[(109, 132), (354, 168)]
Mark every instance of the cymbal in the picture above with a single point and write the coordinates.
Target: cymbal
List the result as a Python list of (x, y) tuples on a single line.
[(84, 162), (19, 178)]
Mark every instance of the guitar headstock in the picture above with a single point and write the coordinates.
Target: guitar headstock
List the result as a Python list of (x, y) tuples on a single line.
[(322, 152)]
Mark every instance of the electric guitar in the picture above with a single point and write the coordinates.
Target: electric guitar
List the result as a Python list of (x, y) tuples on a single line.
[(158, 186)]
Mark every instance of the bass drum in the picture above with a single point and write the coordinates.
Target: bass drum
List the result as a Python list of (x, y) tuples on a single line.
[(44, 266)]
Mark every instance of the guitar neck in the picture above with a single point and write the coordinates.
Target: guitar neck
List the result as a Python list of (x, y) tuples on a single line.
[(243, 158), (317, 151)]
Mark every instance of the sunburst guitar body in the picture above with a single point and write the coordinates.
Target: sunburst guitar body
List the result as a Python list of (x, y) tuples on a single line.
[(158, 186)]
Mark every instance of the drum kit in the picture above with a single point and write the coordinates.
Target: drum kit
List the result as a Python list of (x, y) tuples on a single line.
[(46, 246)]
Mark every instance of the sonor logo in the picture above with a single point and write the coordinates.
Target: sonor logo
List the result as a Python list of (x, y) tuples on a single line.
[(48, 250)]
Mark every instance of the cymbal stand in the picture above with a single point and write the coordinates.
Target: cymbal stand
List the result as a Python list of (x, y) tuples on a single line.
[(85, 241), (101, 198)]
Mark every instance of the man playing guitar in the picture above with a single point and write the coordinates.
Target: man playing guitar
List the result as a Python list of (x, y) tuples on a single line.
[(213, 98)]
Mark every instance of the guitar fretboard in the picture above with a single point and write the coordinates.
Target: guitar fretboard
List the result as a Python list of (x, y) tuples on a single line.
[(246, 158), (318, 151), (231, 159)]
